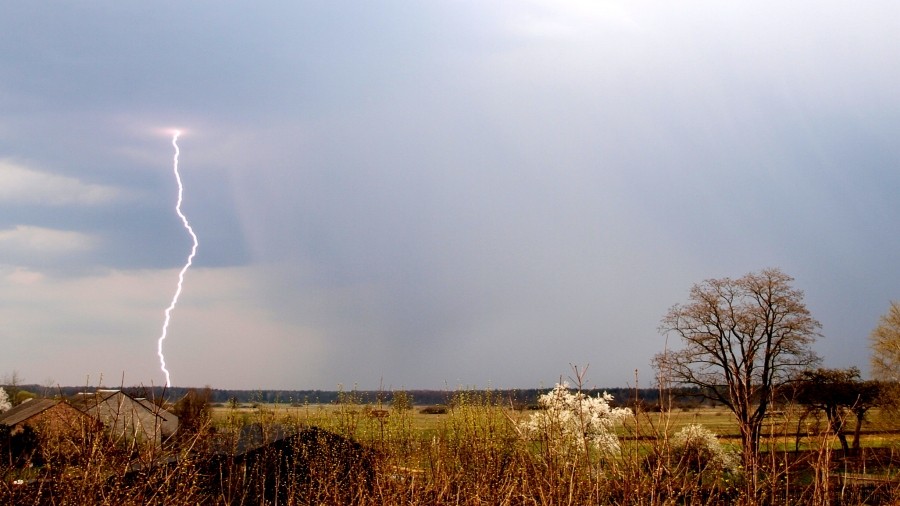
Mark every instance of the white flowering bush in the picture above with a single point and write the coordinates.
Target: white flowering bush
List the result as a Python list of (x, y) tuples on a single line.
[(5, 405), (699, 448), (572, 421)]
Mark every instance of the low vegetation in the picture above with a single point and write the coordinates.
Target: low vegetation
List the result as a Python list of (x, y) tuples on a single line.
[(481, 448)]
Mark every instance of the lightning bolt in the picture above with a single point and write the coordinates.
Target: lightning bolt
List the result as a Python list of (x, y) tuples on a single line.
[(187, 265)]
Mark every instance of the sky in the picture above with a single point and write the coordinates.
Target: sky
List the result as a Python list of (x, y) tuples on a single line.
[(435, 195)]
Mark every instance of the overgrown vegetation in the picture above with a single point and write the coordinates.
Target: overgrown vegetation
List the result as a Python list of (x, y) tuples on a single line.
[(480, 451)]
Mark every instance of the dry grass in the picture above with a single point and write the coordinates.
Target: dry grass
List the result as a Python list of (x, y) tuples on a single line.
[(471, 455)]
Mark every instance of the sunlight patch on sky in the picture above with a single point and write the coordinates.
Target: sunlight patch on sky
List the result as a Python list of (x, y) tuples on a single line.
[(20, 184), (28, 240)]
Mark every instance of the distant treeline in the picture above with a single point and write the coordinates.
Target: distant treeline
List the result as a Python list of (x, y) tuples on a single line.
[(648, 397)]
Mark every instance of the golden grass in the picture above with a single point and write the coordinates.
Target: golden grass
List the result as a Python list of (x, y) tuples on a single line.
[(471, 455)]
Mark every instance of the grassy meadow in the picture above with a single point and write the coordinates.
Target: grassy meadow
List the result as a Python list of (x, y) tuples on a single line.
[(881, 428), (474, 451), (431, 445)]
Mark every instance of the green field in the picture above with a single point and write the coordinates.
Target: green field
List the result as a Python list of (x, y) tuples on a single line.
[(880, 429)]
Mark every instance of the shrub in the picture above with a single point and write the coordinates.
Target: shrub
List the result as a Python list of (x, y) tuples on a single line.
[(573, 421), (698, 448), (5, 405)]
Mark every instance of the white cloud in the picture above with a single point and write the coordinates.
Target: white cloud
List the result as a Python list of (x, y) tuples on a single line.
[(24, 277), (24, 239), (22, 185)]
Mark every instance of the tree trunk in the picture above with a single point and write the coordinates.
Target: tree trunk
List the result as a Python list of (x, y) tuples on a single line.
[(858, 430), (750, 459), (837, 426)]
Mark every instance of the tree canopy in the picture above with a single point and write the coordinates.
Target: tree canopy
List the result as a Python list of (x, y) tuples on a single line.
[(885, 343), (838, 393)]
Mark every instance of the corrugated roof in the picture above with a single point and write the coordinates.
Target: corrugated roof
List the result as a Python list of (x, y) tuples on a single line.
[(26, 410), (84, 401), (156, 410)]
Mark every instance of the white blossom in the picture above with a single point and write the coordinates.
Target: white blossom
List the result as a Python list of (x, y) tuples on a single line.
[(701, 446), (4, 401), (573, 420)]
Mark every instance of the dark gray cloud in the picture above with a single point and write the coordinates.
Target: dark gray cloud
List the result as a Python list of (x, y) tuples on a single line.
[(437, 194)]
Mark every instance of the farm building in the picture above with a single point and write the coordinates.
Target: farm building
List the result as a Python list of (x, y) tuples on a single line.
[(126, 417), (168, 422), (41, 429), (49, 416)]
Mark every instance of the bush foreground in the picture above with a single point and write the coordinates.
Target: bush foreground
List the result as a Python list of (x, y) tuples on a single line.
[(480, 452)]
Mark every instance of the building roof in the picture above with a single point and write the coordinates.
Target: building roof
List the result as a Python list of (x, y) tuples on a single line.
[(26, 410), (86, 401), (157, 410)]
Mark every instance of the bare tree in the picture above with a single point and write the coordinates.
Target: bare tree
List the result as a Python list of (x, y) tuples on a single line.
[(885, 342), (742, 338)]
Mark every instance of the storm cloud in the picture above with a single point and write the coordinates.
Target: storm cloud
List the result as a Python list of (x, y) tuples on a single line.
[(433, 195)]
